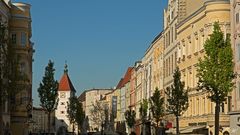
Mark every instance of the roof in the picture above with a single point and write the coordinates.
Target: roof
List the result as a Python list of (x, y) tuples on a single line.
[(127, 75), (82, 96), (125, 79), (119, 84), (65, 83)]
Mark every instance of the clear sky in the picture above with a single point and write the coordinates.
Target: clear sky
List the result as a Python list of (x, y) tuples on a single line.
[(99, 39)]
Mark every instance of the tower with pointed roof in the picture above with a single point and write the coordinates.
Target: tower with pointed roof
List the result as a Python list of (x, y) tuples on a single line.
[(65, 91)]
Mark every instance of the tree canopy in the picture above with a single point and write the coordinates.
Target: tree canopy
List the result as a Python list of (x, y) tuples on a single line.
[(177, 97), (216, 69), (157, 107)]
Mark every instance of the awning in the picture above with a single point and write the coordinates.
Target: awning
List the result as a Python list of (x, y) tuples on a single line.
[(186, 130), (191, 129)]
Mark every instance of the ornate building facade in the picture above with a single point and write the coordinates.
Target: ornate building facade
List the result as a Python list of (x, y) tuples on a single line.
[(192, 33), (235, 96), (16, 111)]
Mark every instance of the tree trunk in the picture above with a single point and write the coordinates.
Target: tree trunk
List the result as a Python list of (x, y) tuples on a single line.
[(177, 125), (49, 121), (73, 128), (217, 110), (143, 129), (156, 129)]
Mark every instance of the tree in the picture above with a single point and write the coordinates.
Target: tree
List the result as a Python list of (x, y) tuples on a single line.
[(157, 109), (3, 68), (80, 117), (130, 116), (48, 91), (72, 108), (177, 98), (98, 113), (143, 113), (215, 71)]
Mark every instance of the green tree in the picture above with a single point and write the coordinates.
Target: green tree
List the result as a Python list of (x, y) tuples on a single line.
[(80, 117), (72, 108), (143, 113), (177, 98), (215, 71), (157, 109), (48, 91), (130, 116)]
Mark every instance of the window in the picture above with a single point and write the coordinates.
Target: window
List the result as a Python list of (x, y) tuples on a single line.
[(238, 52), (237, 18), (238, 90), (222, 107), (204, 106), (23, 39), (172, 34), (22, 68), (14, 38), (62, 112), (62, 103), (229, 103)]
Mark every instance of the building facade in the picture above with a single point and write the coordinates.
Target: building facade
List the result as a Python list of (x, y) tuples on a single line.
[(192, 32), (40, 120), (16, 111), (235, 41), (88, 99)]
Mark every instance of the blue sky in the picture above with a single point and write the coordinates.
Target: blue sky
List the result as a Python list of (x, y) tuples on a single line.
[(99, 39)]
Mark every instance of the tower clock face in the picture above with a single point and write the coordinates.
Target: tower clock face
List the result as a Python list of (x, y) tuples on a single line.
[(62, 95)]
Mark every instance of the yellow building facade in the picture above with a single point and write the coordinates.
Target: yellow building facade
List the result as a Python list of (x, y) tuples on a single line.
[(17, 111), (192, 32), (21, 32), (235, 41)]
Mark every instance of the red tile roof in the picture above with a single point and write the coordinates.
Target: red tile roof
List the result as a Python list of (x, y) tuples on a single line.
[(126, 78), (65, 83), (119, 84)]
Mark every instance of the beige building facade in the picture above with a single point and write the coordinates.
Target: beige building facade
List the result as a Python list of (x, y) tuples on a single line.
[(89, 98), (40, 120), (192, 32), (17, 110), (235, 96)]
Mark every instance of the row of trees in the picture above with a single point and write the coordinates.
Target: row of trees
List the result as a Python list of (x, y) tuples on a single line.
[(177, 103), (48, 94), (215, 73)]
